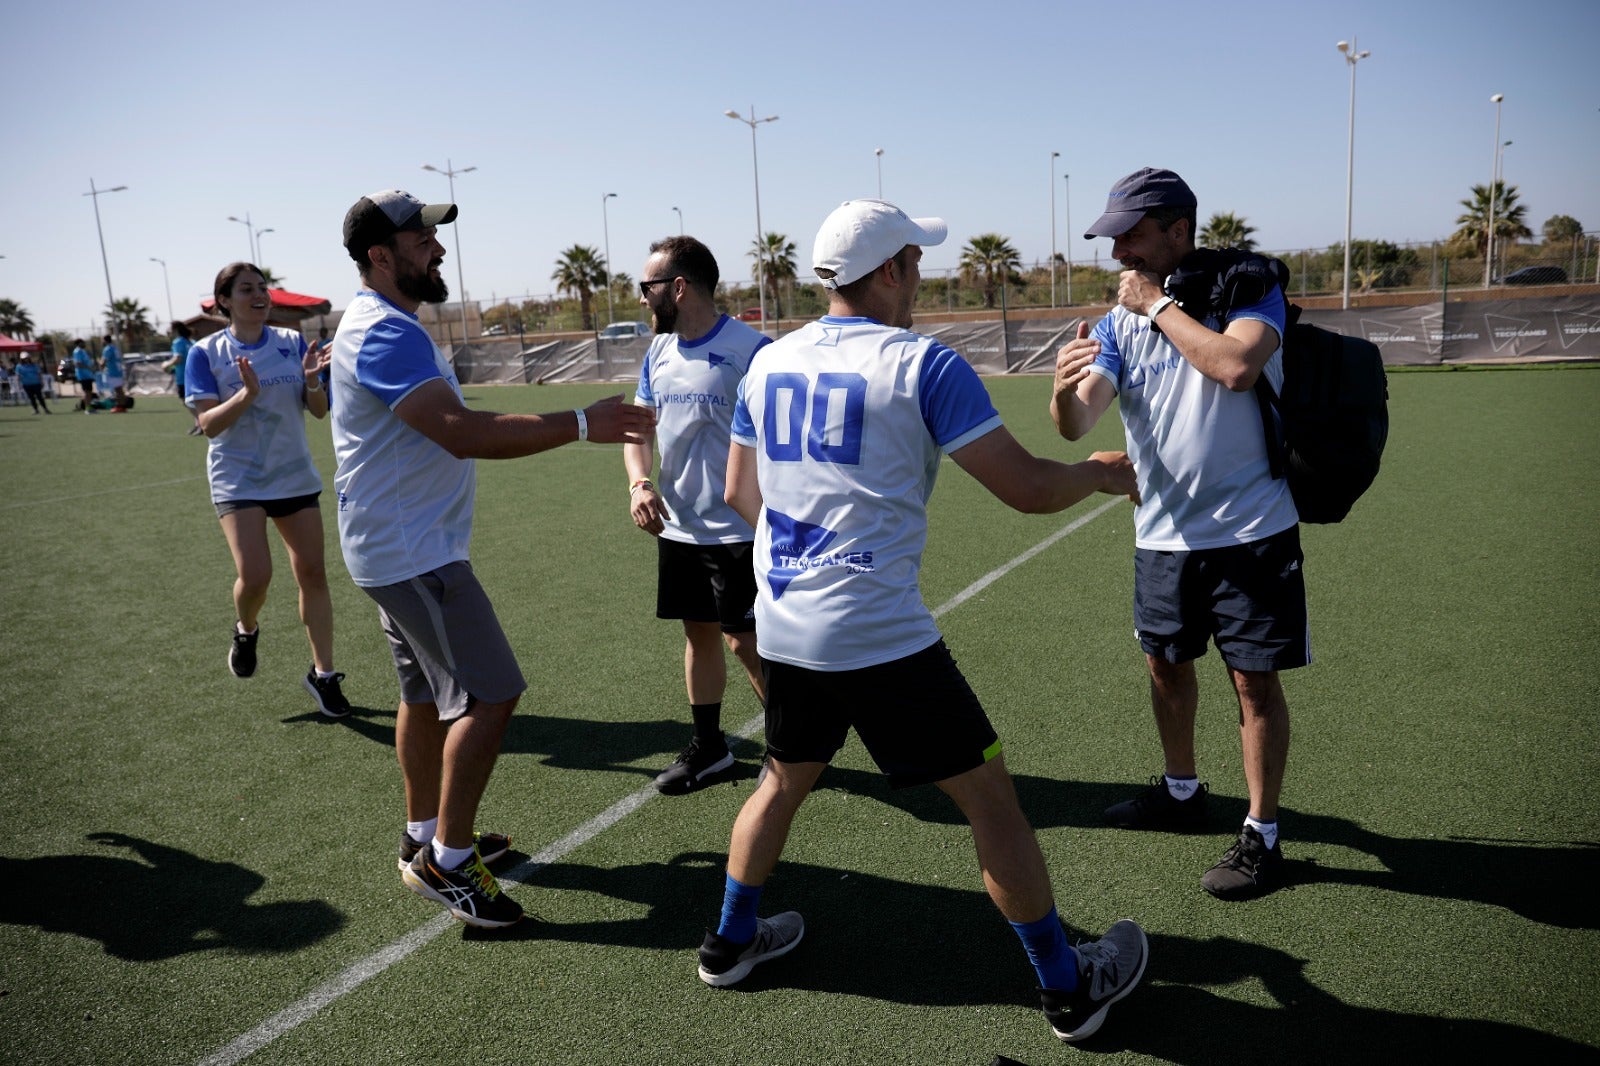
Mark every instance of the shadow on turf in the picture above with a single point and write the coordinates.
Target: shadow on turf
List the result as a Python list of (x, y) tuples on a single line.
[(937, 946), (170, 903), (1543, 881)]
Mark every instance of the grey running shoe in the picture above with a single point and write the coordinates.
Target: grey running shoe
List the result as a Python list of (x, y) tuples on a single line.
[(242, 655), (723, 962), (1108, 969), (469, 892), (1248, 869), (491, 846), (326, 691), (1154, 808), (695, 768)]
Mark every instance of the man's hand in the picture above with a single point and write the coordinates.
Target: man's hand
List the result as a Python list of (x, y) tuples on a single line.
[(1137, 290), (1073, 361), (613, 422), (1120, 477), (648, 510)]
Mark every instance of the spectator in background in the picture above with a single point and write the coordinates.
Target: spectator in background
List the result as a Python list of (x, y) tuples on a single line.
[(32, 382), (83, 373), (181, 343), (111, 366)]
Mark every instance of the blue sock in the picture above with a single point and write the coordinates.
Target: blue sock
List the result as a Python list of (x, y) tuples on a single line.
[(1052, 957), (739, 901)]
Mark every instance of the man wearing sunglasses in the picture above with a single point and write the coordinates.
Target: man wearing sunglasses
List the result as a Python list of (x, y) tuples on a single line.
[(704, 574)]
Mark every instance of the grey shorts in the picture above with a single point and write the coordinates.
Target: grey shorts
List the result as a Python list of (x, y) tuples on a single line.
[(447, 643)]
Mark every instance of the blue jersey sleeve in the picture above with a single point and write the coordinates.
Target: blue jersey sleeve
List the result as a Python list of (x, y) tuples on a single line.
[(644, 393), (198, 381), (395, 358), (1272, 310), (743, 430), (1109, 362), (955, 406)]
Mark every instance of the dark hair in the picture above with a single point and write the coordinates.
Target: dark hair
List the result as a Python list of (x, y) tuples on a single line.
[(77, 342), (690, 260), (1164, 217), (223, 286), (857, 289), (181, 330)]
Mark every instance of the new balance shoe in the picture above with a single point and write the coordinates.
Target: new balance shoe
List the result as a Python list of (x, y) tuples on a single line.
[(242, 655), (469, 892), (1248, 869), (695, 768), (724, 962), (1155, 808), (1108, 969), (325, 690), (491, 846)]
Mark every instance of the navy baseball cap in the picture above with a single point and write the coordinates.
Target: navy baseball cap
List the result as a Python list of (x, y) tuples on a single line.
[(1135, 195), (374, 219)]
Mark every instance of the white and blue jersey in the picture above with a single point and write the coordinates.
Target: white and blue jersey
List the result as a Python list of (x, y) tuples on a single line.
[(849, 419), (264, 454), (405, 504), (1198, 447), (692, 385)]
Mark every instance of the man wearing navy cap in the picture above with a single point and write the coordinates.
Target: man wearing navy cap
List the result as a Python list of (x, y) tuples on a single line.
[(405, 444), (1217, 542)]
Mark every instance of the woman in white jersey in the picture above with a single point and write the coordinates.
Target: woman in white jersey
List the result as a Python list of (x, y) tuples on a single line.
[(249, 386)]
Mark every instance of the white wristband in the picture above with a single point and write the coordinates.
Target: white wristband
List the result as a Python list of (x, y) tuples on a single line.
[(1160, 306), (583, 424)]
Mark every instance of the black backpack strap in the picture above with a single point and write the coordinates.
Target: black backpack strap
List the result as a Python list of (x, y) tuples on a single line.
[(1267, 399)]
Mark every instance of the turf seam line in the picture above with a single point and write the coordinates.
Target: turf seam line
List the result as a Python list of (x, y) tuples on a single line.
[(360, 972), (101, 492)]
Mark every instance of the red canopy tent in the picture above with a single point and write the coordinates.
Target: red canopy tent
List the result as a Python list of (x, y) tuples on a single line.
[(12, 347), (288, 308)]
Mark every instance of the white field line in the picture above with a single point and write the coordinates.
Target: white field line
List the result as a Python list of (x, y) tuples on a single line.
[(100, 492), (379, 961)]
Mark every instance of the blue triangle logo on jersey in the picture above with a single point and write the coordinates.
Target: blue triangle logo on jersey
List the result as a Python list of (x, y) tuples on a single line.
[(713, 359), (793, 541)]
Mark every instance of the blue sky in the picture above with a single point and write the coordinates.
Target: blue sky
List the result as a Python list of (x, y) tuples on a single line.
[(291, 111)]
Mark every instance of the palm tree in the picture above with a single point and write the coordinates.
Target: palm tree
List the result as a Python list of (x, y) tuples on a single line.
[(1510, 218), (272, 280), (774, 254), (991, 255), (581, 270), (1227, 230), (15, 320), (129, 318)]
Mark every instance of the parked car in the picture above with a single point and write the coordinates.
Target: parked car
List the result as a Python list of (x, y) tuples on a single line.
[(749, 314), (496, 330), (624, 330), (1536, 275)]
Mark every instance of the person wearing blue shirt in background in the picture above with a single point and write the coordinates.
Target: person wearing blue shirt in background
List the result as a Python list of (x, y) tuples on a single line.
[(32, 382), (838, 435), (111, 366), (177, 366), (83, 373)]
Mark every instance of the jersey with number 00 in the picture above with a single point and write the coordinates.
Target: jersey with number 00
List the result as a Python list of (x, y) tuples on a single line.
[(264, 454), (1198, 447), (849, 419), (692, 386), (405, 504)]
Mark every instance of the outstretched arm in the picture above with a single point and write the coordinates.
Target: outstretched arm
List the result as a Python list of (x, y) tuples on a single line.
[(1025, 482), (434, 410)]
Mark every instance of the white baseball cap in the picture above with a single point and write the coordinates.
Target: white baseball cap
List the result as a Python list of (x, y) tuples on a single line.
[(861, 235)]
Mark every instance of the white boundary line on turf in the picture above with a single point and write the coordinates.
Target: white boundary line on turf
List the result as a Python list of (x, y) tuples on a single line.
[(379, 961), (101, 492)]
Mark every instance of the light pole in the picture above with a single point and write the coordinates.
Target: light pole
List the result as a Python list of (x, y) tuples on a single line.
[(249, 233), (165, 284), (104, 264), (755, 166), (450, 173), (879, 153), (1053, 157), (1499, 183), (1068, 179), (1351, 58), (680, 222), (259, 232), (1494, 176), (605, 221)]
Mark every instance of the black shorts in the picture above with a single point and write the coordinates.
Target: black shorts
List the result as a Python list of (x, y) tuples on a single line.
[(1249, 598), (706, 583), (274, 508), (917, 716)]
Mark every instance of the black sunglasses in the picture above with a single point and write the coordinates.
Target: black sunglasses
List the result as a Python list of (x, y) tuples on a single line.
[(644, 286)]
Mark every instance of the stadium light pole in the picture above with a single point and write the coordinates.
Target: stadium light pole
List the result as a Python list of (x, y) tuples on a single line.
[(1494, 176), (878, 152), (165, 284), (1351, 58), (611, 307), (680, 222), (450, 171), (1067, 201), (1499, 182), (1053, 157), (249, 233), (104, 263), (259, 232), (755, 166)]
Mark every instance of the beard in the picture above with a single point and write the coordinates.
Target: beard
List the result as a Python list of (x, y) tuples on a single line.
[(664, 316), (422, 285)]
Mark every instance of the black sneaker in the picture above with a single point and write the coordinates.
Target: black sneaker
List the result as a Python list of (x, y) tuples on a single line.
[(695, 768), (325, 690), (1248, 869), (469, 892), (491, 846), (1108, 969), (1154, 808), (242, 656), (723, 962)]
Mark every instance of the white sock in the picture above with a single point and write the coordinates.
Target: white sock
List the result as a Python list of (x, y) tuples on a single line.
[(324, 675), (1181, 788), (422, 831), (1268, 831), (239, 627), (449, 858)]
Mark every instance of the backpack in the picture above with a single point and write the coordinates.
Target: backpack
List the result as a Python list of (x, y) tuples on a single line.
[(1333, 409)]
